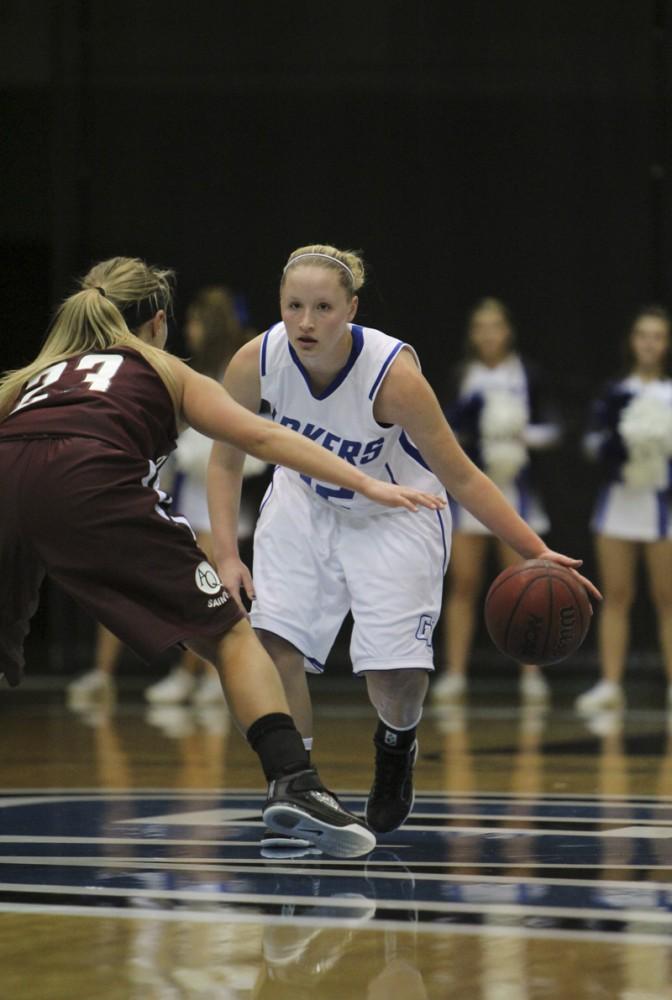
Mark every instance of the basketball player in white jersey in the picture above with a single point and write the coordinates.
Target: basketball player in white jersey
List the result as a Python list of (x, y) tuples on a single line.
[(320, 551)]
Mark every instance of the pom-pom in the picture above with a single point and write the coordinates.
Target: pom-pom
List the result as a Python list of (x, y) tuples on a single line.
[(645, 426), (502, 424)]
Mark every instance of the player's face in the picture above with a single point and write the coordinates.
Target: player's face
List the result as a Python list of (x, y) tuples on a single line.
[(490, 335), (316, 310), (650, 341)]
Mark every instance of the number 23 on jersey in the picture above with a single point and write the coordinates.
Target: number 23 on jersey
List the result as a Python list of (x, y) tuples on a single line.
[(100, 370)]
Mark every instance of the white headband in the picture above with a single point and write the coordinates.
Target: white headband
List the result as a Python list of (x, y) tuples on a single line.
[(326, 257)]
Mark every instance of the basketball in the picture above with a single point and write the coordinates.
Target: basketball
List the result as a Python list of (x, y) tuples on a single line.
[(537, 612)]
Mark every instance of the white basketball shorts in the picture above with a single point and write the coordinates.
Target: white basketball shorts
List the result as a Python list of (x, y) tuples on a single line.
[(313, 563)]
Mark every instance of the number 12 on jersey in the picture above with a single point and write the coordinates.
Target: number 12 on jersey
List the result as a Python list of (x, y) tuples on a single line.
[(328, 492)]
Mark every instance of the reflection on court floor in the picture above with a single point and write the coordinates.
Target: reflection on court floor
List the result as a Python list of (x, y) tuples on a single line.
[(581, 864), (537, 861)]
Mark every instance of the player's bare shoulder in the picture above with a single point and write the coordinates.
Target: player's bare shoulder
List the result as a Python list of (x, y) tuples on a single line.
[(404, 386)]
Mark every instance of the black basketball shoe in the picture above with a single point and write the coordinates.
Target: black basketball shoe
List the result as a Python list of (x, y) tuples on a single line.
[(391, 797), (299, 805)]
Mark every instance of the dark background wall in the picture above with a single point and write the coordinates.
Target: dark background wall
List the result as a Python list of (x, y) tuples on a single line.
[(514, 149)]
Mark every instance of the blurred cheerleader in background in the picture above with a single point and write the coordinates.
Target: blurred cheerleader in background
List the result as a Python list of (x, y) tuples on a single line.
[(630, 435), (500, 412)]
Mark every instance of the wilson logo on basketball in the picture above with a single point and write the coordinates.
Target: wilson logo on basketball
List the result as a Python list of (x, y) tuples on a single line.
[(537, 612), (567, 630)]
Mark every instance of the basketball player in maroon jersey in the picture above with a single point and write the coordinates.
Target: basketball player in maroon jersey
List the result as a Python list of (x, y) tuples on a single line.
[(84, 430)]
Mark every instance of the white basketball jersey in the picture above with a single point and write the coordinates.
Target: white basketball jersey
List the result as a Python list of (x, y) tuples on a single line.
[(341, 418)]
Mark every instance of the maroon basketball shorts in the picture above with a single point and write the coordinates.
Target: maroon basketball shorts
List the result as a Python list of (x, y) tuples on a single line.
[(76, 508)]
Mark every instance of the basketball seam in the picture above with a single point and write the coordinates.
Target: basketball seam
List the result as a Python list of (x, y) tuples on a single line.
[(569, 585), (517, 570), (549, 618), (512, 614)]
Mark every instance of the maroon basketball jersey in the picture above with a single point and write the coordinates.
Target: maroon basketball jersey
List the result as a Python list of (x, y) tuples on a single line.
[(113, 395)]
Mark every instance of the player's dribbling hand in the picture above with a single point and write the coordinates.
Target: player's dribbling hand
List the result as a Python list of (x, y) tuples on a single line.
[(572, 565), (392, 495), (236, 578)]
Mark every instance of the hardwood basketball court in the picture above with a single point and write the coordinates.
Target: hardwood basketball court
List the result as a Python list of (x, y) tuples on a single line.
[(537, 862)]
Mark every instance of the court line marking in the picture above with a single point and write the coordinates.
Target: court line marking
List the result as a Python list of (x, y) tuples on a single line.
[(510, 910), (154, 791), (447, 832), (202, 817), (36, 800), (532, 818), (244, 862), (223, 816), (580, 798), (479, 930), (7, 838), (263, 868), (505, 833), (226, 816), (641, 832)]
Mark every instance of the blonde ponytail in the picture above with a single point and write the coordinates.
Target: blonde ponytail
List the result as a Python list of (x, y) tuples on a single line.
[(93, 320)]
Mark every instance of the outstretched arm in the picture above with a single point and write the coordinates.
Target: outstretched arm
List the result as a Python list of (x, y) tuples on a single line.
[(209, 408), (407, 399)]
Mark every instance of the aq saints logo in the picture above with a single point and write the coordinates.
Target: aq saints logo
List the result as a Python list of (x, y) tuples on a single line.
[(207, 580)]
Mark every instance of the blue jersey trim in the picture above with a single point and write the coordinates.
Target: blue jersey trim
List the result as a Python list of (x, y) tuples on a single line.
[(355, 351), (264, 347), (601, 508), (411, 450), (267, 495), (386, 364), (315, 663), (455, 511), (523, 501), (389, 472), (663, 514), (443, 539)]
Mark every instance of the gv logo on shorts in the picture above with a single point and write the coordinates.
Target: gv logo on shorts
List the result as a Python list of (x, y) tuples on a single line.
[(207, 580), (425, 630)]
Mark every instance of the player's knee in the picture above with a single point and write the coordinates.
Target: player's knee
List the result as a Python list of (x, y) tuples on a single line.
[(398, 685), (286, 657), (398, 695)]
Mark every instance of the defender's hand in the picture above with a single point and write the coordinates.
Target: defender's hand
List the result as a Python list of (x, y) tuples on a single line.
[(392, 495), (236, 577)]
